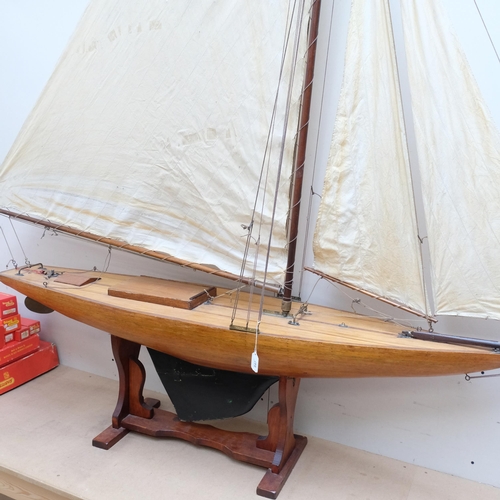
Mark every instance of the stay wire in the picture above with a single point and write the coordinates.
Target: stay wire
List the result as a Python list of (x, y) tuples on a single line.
[(264, 173), (26, 260), (282, 152), (14, 263), (487, 31)]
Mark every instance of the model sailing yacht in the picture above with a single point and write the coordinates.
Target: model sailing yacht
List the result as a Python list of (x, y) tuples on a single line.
[(179, 132)]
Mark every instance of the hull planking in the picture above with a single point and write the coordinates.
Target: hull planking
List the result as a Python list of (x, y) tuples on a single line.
[(326, 343)]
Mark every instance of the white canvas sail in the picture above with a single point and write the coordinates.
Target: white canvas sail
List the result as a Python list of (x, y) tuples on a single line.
[(366, 232), (152, 129), (459, 155)]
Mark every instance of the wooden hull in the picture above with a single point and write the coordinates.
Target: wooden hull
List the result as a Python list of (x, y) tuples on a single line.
[(326, 343)]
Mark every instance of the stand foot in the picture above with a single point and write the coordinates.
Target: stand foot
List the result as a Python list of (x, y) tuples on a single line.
[(271, 484), (109, 437)]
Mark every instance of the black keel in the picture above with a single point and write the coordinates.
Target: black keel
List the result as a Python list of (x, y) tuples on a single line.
[(201, 393), (36, 307)]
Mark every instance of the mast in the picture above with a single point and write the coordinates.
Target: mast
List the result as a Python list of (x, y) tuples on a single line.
[(298, 170)]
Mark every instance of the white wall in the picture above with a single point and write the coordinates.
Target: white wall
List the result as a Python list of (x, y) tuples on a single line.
[(446, 423)]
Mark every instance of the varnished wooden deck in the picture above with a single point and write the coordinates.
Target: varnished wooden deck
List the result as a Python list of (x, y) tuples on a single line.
[(326, 343)]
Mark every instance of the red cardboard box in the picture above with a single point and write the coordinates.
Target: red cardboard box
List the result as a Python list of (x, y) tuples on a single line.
[(22, 333), (27, 368), (8, 305), (11, 323), (15, 350), (32, 324)]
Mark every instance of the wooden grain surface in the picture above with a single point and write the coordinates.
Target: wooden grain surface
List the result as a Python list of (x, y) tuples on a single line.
[(165, 292), (327, 343)]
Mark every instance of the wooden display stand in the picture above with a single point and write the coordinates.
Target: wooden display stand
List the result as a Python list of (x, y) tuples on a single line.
[(278, 452)]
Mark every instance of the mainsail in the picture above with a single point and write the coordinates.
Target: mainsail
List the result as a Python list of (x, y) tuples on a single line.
[(152, 129)]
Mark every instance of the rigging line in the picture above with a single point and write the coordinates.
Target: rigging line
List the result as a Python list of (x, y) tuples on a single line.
[(266, 166), (254, 270), (413, 165), (313, 288), (227, 292), (242, 270), (316, 148), (14, 263), (26, 260), (373, 295), (282, 152), (487, 31), (380, 314), (265, 161), (272, 128), (470, 377), (269, 140), (295, 51), (303, 308), (386, 317), (107, 260)]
